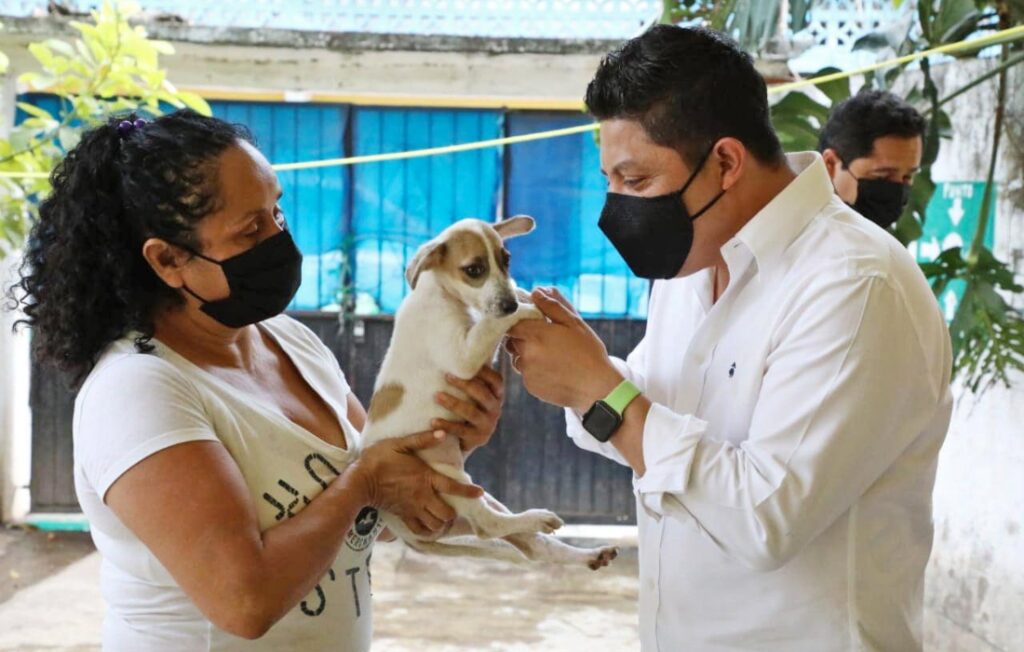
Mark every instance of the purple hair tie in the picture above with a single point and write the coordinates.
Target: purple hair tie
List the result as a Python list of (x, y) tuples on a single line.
[(126, 127)]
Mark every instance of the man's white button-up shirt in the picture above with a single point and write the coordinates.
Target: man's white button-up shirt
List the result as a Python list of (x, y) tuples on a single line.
[(791, 446)]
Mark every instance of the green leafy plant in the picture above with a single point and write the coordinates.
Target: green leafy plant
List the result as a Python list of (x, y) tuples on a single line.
[(754, 23), (987, 332), (112, 67)]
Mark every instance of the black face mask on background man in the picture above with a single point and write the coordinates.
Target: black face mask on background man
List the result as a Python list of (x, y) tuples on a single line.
[(263, 281), (653, 234), (880, 200)]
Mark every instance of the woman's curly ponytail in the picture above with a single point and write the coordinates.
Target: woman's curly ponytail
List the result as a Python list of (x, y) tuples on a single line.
[(84, 282)]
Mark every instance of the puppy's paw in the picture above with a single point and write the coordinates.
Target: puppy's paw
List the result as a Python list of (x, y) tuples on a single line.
[(528, 311), (523, 296), (602, 557), (545, 521)]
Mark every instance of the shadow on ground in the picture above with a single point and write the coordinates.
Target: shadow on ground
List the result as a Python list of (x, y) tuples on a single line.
[(28, 556)]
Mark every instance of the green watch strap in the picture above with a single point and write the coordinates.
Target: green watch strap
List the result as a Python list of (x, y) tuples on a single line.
[(620, 397)]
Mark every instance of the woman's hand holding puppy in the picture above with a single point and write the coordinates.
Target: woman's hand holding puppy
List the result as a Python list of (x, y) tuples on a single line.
[(390, 477)]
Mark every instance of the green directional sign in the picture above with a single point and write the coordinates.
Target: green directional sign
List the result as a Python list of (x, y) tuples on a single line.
[(950, 221)]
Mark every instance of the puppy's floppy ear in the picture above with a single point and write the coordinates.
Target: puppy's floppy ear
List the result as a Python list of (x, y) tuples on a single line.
[(428, 256), (514, 226)]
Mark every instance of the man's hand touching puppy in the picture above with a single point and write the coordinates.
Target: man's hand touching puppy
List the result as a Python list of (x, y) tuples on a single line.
[(564, 362)]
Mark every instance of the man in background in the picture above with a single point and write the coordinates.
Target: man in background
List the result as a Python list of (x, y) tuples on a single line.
[(872, 147)]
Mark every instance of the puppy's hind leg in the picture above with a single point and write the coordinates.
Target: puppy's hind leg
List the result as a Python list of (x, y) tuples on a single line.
[(544, 547), (489, 523), (469, 547)]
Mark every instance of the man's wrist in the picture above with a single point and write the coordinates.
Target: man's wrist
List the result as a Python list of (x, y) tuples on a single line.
[(628, 439), (599, 387)]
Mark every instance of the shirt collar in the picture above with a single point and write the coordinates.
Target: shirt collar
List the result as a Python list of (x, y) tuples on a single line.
[(770, 232)]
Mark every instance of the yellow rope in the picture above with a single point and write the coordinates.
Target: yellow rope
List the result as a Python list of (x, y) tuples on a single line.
[(1012, 33), (433, 151)]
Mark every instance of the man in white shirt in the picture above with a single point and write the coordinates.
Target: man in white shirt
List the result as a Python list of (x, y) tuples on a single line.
[(784, 411)]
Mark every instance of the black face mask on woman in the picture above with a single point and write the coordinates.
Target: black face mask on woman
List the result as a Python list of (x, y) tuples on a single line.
[(263, 281), (653, 234)]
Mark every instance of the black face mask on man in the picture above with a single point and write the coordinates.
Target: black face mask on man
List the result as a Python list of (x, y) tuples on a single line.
[(653, 234), (263, 281), (880, 200)]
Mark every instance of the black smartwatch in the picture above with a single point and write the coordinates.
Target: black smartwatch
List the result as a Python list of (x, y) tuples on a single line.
[(605, 416)]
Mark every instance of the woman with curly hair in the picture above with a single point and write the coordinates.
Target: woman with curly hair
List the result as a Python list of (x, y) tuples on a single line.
[(215, 439)]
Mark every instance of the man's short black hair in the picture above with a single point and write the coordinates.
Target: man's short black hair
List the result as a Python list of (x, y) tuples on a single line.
[(854, 124), (688, 87)]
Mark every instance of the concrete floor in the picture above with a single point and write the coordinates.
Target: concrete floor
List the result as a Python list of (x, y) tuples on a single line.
[(52, 602)]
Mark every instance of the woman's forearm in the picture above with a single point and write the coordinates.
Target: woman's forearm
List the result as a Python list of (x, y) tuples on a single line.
[(298, 552)]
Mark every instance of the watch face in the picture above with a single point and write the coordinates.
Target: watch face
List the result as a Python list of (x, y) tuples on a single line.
[(601, 421)]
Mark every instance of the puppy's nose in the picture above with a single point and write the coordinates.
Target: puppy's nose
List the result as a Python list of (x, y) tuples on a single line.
[(509, 306)]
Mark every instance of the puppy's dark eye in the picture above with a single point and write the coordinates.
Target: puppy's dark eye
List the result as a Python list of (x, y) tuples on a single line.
[(474, 271), (505, 258)]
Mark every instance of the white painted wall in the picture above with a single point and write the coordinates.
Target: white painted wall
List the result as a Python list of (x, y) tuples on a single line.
[(975, 582), (15, 418), (277, 60)]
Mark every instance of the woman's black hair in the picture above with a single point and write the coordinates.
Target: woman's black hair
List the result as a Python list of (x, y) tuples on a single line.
[(84, 282)]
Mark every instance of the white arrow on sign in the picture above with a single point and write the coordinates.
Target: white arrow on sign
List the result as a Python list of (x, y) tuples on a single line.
[(956, 211), (949, 303)]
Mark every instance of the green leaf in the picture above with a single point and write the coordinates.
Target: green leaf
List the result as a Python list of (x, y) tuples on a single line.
[(910, 225), (836, 90), (799, 12), (93, 50), (891, 75), (21, 139), (69, 137), (42, 54), (987, 333), (871, 41), (34, 110), (111, 67), (755, 21), (797, 136), (195, 102), (924, 18), (944, 124), (964, 28), (800, 104), (907, 228), (88, 32), (59, 46), (950, 18)]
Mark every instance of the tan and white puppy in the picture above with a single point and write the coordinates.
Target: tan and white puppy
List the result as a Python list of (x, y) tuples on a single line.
[(462, 303)]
